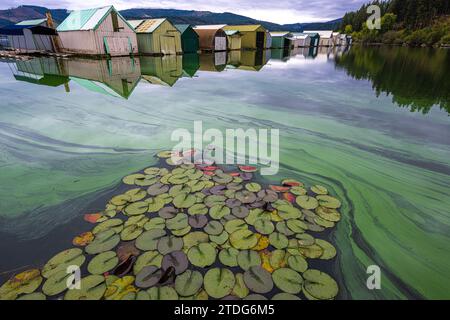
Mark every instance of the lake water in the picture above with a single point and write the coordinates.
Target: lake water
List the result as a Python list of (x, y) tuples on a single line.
[(370, 124)]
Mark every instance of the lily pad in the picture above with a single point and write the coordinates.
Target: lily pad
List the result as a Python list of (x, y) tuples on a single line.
[(258, 280), (328, 202), (298, 263), (219, 211), (184, 200), (136, 208), (176, 259), (60, 262), (245, 196), (329, 251), (157, 189), (243, 239), (291, 183), (219, 239), (130, 180), (247, 259), (253, 187), (111, 224), (235, 225), (213, 200), (228, 257), (328, 214), (305, 239), (198, 221), (188, 283), (56, 284), (169, 244), (131, 232), (83, 239), (288, 280), (148, 277), (318, 189), (298, 191), (168, 212), (36, 296), (319, 285), (278, 240), (198, 209), (155, 223), (282, 228), (285, 296), (127, 249), (214, 228), (288, 211), (240, 290), (202, 255), (240, 212), (219, 282), (149, 239), (255, 296), (264, 226), (23, 283), (307, 202), (178, 222), (158, 293), (297, 226), (313, 251), (103, 262), (155, 204), (195, 238), (278, 259), (233, 203), (92, 287), (149, 258)]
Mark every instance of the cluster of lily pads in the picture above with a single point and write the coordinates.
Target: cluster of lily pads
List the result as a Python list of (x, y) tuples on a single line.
[(185, 231)]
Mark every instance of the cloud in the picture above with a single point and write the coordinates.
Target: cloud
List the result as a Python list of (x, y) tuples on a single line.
[(278, 11)]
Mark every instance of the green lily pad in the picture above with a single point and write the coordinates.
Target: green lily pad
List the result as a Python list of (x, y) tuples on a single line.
[(278, 240), (219, 282), (287, 211), (318, 189), (140, 220), (131, 232), (235, 225), (103, 241), (196, 185), (36, 296), (178, 222), (202, 255), (181, 232), (136, 194), (328, 214), (298, 263), (253, 187), (136, 208), (258, 280), (255, 296), (56, 284), (268, 195), (149, 258), (149, 239), (110, 224), (198, 209), (62, 260), (214, 228), (103, 262), (195, 238), (305, 239), (264, 226), (23, 283), (145, 181), (240, 290), (219, 239), (184, 200), (158, 293), (240, 212), (155, 223), (319, 285), (214, 200), (222, 178), (324, 223), (256, 214), (130, 180), (329, 251), (298, 190), (169, 244), (188, 283), (92, 287), (297, 226), (278, 259), (245, 196), (247, 259), (219, 211), (283, 228), (154, 204), (328, 202), (165, 198), (228, 257), (288, 280), (307, 202), (285, 296), (179, 189), (243, 239), (313, 251)]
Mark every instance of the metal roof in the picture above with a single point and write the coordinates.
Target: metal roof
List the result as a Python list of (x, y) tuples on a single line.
[(322, 33), (231, 32), (135, 23), (33, 22), (280, 34), (149, 25), (245, 28), (18, 30), (210, 27), (182, 27), (87, 19)]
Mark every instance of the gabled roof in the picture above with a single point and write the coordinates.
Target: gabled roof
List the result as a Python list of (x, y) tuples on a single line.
[(245, 28), (87, 19), (135, 23), (280, 34), (182, 27), (231, 32), (322, 33), (210, 27), (33, 22), (149, 25)]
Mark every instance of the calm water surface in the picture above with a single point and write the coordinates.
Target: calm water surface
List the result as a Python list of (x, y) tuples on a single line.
[(372, 125)]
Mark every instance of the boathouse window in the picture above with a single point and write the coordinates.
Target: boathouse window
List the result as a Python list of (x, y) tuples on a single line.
[(115, 21)]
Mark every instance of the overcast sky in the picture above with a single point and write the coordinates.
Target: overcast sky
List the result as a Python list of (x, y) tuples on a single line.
[(278, 11)]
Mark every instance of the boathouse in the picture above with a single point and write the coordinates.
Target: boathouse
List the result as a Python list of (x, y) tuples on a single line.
[(280, 39), (99, 31), (157, 37), (326, 37), (234, 39), (212, 37), (253, 36), (189, 38)]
